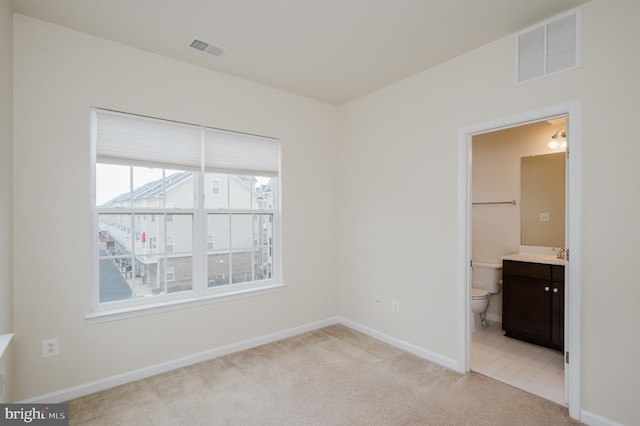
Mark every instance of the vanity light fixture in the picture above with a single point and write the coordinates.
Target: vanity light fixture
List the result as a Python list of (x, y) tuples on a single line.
[(558, 140)]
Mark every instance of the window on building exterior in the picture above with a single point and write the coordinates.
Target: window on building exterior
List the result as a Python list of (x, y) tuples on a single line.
[(170, 272), (170, 241), (155, 223), (215, 186)]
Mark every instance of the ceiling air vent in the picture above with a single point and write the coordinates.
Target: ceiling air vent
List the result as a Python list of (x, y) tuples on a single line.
[(548, 48), (206, 47)]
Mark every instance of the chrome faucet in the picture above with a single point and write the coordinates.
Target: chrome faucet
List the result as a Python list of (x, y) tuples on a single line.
[(561, 253)]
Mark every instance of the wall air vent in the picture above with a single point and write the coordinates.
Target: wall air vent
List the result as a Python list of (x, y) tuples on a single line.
[(548, 48), (206, 47)]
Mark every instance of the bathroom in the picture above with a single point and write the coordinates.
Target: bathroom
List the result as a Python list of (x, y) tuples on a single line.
[(500, 227)]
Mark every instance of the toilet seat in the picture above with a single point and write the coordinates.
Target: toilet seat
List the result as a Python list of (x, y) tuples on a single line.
[(477, 294)]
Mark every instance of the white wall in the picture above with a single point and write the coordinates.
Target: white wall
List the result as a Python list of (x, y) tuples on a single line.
[(399, 208), (6, 52), (6, 274), (59, 74)]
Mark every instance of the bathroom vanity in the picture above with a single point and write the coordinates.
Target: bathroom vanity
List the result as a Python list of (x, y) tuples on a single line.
[(533, 299)]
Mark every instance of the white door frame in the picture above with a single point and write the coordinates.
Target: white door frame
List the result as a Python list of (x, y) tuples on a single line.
[(572, 236)]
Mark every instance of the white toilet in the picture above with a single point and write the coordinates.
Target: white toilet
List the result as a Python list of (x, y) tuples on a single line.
[(486, 279)]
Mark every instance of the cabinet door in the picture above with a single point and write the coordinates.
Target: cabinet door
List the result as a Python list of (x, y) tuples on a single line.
[(527, 309), (557, 307)]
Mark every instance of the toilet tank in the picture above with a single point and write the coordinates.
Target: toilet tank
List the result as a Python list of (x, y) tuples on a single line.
[(486, 276)]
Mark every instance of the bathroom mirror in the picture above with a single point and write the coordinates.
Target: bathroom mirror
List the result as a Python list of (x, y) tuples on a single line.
[(542, 195)]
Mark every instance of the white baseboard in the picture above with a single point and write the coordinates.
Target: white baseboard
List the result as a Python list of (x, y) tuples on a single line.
[(120, 379), (152, 370), (592, 419), (401, 344), (494, 317)]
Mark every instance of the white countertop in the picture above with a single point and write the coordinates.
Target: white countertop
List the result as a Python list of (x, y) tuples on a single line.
[(534, 258)]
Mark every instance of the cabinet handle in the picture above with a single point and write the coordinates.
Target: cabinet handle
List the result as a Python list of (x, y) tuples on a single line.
[(555, 290), (546, 289)]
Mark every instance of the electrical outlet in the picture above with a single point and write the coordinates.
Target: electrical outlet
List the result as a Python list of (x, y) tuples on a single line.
[(395, 306), (50, 347)]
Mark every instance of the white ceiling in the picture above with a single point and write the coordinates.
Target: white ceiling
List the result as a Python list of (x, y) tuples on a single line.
[(330, 50)]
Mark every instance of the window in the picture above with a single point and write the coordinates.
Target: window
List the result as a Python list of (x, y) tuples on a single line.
[(170, 272), (155, 223)]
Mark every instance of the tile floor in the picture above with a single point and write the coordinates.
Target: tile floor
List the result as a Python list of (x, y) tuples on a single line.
[(532, 368)]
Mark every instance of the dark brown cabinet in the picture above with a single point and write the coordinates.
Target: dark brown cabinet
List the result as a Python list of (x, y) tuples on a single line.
[(533, 302)]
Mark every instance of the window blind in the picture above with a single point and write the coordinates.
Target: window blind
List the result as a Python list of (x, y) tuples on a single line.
[(132, 139), (127, 138), (237, 152)]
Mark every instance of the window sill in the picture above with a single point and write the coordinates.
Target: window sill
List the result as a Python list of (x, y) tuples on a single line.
[(5, 339), (98, 317)]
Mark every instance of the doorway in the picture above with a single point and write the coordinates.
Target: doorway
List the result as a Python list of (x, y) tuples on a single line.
[(572, 111), (517, 175)]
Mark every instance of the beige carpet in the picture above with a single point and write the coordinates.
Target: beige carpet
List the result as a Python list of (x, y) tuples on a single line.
[(332, 376)]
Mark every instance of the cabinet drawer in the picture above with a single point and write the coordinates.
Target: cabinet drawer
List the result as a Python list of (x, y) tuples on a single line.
[(526, 269)]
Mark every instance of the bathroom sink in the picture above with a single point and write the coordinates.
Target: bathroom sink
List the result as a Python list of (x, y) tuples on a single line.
[(534, 258)]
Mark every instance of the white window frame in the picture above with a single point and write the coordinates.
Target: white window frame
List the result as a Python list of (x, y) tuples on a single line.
[(201, 293)]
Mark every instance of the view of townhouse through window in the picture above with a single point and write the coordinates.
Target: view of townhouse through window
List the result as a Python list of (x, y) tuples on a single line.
[(164, 231)]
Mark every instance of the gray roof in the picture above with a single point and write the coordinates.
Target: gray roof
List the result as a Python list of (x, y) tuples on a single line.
[(157, 188), (153, 189)]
